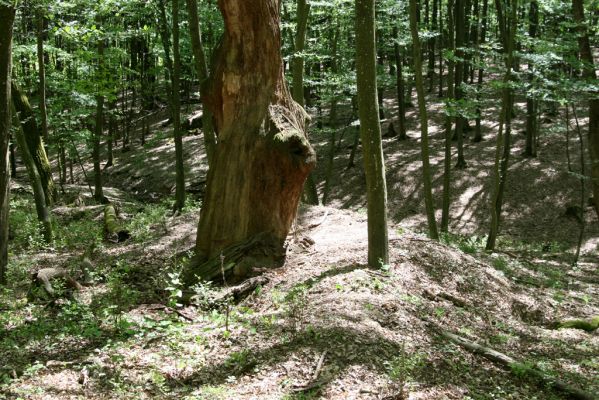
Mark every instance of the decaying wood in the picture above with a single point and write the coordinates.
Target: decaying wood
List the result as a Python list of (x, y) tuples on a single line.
[(112, 226), (513, 365), (446, 296), (241, 291), (44, 277), (588, 325)]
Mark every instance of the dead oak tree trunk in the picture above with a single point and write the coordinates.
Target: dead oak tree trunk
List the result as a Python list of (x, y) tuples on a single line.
[(255, 181)]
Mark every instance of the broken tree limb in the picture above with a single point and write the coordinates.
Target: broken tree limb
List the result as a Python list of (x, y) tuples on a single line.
[(112, 226), (43, 279), (513, 365), (241, 291)]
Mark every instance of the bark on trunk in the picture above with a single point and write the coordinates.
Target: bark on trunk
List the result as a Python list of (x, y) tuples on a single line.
[(34, 142), (99, 128), (7, 16), (42, 76), (589, 73), (202, 71), (426, 173), (370, 132), (263, 156), (43, 215)]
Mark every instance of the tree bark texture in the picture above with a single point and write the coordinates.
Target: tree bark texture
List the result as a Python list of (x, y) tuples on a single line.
[(370, 132), (34, 142), (426, 171), (7, 16), (589, 73), (99, 127), (43, 214), (202, 70), (263, 156)]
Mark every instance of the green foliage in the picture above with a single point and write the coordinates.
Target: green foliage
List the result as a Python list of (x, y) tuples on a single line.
[(404, 367), (151, 222), (467, 244)]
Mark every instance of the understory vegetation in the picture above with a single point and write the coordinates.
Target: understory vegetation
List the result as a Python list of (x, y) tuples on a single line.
[(299, 199)]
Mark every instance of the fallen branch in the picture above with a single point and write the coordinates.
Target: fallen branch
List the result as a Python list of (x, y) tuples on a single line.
[(241, 291), (586, 325), (314, 382), (513, 365), (170, 309), (446, 296)]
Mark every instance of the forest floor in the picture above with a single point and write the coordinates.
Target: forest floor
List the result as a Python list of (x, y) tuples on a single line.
[(324, 325)]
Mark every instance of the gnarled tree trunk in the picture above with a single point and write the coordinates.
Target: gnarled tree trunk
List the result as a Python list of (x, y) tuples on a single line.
[(255, 181)]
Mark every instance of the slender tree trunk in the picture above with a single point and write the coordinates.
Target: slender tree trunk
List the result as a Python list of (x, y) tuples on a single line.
[(449, 119), (589, 73), (99, 128), (431, 49), (111, 134), (426, 172), (332, 123), (176, 79), (370, 132), (297, 87), (460, 31), (263, 156), (478, 135), (531, 102), (42, 76), (202, 71), (173, 67), (507, 27), (7, 16), (13, 159), (34, 142), (401, 105), (43, 215)]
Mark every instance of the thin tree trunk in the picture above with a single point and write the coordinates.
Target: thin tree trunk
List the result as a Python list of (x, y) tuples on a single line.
[(7, 16), (297, 87), (99, 128), (478, 135), (370, 132), (431, 49), (582, 187), (176, 79), (13, 159), (459, 77), (449, 119), (401, 105), (173, 68), (42, 76), (202, 71), (507, 27), (426, 172), (531, 102)]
